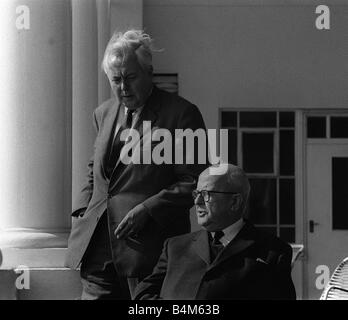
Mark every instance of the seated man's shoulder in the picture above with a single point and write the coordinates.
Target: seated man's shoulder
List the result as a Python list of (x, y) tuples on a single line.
[(271, 242)]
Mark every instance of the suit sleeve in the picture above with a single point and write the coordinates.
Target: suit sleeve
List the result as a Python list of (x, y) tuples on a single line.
[(150, 287), (178, 195), (84, 196)]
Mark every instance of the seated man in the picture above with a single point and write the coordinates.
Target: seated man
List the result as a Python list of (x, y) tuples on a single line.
[(229, 258)]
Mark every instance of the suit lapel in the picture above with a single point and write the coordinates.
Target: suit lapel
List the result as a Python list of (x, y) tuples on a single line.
[(149, 113), (108, 135), (201, 246)]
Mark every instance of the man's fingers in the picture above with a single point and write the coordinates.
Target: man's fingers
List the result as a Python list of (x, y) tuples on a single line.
[(123, 230), (120, 227)]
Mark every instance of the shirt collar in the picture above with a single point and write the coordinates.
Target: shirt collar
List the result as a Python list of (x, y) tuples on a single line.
[(231, 231), (136, 111)]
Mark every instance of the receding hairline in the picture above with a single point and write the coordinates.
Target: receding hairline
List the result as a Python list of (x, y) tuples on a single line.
[(233, 177)]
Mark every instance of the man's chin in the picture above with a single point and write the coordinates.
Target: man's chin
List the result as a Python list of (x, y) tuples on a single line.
[(203, 223)]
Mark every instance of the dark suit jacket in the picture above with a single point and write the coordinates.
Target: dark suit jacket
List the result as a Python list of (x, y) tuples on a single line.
[(254, 265), (165, 190)]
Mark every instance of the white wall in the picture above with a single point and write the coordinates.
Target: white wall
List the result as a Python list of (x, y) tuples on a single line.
[(251, 55)]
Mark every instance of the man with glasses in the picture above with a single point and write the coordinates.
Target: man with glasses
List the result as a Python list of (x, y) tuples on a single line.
[(229, 258)]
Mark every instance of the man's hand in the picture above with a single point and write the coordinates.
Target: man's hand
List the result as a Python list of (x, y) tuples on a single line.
[(133, 222)]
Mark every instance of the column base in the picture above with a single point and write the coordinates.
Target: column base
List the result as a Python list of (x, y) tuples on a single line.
[(32, 248), (33, 238)]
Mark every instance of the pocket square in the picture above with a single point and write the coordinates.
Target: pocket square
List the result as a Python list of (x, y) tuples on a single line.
[(262, 261)]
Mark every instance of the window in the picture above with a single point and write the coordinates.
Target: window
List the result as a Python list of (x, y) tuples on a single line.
[(316, 127), (327, 127), (339, 127), (339, 193), (263, 144)]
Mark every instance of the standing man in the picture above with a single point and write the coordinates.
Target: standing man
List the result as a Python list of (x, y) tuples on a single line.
[(229, 258), (125, 211)]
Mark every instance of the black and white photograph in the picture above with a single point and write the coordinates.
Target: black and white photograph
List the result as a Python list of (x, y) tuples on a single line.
[(194, 151)]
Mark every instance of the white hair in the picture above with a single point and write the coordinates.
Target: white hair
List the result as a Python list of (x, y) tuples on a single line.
[(123, 45), (234, 177)]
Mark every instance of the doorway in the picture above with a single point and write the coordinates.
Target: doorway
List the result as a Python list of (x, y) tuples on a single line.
[(327, 201)]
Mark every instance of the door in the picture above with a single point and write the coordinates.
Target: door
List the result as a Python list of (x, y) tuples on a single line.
[(327, 210)]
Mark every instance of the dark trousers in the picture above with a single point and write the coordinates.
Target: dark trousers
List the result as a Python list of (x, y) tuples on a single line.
[(99, 277)]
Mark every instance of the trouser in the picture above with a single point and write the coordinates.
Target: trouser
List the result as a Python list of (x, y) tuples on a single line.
[(99, 277)]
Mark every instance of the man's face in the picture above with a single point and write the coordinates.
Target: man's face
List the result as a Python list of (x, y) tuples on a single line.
[(130, 83), (217, 213)]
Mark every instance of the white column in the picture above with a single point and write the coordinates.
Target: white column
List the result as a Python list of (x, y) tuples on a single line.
[(103, 19), (85, 86), (35, 95)]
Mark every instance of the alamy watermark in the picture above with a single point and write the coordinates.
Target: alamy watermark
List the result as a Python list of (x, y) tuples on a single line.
[(183, 146), (23, 280), (23, 17)]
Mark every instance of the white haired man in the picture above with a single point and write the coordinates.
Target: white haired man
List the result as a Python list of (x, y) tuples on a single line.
[(229, 258), (124, 212)]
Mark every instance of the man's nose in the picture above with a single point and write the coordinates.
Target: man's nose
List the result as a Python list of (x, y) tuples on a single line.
[(199, 199), (124, 85)]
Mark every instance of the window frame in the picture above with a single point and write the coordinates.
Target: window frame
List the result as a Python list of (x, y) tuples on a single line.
[(276, 161)]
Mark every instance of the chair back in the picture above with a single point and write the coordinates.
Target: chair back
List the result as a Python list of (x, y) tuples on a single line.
[(337, 287)]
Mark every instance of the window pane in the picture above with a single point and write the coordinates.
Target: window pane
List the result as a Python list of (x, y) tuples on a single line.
[(287, 234), (340, 193), (287, 201), (263, 201), (339, 127), (228, 119), (232, 146), (287, 119), (258, 156), (316, 127), (286, 152), (258, 119)]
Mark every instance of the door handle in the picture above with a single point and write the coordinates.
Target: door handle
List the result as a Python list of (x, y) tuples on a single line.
[(311, 225)]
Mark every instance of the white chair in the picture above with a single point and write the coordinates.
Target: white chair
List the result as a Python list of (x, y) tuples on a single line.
[(337, 287)]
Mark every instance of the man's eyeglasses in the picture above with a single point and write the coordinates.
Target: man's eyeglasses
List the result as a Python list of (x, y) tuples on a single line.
[(206, 195)]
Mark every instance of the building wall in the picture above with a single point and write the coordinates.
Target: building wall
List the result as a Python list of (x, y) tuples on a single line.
[(257, 54)]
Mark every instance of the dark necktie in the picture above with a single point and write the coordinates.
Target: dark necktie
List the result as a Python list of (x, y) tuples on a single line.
[(215, 245), (117, 144)]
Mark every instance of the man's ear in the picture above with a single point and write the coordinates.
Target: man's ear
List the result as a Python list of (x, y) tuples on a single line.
[(236, 202)]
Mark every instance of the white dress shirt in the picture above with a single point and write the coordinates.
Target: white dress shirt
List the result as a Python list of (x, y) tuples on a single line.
[(230, 232)]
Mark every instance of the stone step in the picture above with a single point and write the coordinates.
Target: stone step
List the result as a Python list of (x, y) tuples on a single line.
[(40, 284)]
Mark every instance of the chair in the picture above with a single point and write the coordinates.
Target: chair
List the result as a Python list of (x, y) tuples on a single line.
[(297, 251), (337, 287)]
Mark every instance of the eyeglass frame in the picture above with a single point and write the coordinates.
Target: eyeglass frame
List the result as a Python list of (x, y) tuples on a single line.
[(208, 193)]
